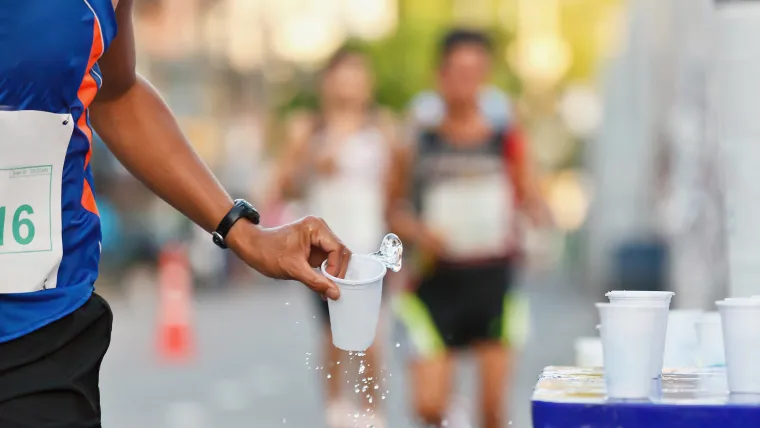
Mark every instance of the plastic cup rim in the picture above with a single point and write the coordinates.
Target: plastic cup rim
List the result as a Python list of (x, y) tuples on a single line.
[(738, 302), (639, 294), (356, 281)]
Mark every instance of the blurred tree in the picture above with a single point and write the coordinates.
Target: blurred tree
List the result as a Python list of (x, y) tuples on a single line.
[(404, 62)]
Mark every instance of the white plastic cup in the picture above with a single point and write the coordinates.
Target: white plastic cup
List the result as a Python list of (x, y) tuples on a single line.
[(353, 317), (663, 298), (740, 319), (630, 334), (681, 342), (710, 337)]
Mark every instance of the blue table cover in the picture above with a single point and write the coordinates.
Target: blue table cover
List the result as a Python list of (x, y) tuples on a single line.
[(571, 397)]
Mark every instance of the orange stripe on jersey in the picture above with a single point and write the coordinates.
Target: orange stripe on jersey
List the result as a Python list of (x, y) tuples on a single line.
[(87, 91), (88, 199)]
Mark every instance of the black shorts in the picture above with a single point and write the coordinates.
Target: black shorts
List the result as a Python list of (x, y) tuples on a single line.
[(49, 378), (458, 306)]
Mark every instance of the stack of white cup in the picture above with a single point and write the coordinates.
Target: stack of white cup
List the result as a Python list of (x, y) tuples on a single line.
[(740, 318), (633, 328)]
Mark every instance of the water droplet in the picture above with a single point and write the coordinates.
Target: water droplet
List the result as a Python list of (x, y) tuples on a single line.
[(356, 390), (338, 362), (287, 303), (398, 345), (329, 376), (444, 423), (361, 368), (364, 388), (382, 397), (356, 415), (369, 399), (284, 421), (376, 387)]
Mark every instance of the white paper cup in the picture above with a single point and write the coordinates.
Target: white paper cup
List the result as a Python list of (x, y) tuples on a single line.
[(741, 338), (681, 343), (710, 337), (630, 334), (663, 298), (353, 317)]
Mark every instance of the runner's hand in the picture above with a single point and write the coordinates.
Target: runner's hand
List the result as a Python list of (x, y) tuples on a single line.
[(292, 251)]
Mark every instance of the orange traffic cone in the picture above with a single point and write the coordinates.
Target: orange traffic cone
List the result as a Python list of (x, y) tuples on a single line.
[(175, 336)]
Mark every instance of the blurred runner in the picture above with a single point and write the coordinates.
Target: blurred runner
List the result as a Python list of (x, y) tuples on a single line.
[(337, 160), (456, 193), (62, 63)]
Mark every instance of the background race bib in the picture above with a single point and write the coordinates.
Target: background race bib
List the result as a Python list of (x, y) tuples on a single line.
[(475, 215)]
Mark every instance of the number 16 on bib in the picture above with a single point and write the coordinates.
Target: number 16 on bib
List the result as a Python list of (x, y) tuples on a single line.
[(25, 209)]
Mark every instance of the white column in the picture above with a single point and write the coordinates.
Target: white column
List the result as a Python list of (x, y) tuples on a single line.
[(692, 222), (736, 95)]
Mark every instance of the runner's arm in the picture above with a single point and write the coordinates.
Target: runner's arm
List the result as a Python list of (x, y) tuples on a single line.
[(142, 133), (294, 157), (529, 196)]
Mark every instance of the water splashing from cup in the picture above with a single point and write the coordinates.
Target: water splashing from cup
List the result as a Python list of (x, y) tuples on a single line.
[(390, 253)]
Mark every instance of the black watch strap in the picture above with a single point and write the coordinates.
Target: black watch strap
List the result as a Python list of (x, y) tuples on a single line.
[(241, 209)]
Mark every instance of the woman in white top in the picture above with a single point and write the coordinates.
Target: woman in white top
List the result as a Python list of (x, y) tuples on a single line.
[(336, 160)]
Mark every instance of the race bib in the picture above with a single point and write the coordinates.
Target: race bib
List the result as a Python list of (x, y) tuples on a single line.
[(33, 147), (474, 215)]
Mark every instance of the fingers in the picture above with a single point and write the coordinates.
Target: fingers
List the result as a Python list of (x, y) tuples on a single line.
[(345, 260), (337, 263), (338, 256), (305, 274)]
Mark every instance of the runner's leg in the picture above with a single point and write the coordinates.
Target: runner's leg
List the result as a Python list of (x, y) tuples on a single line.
[(494, 364), (489, 314), (432, 384)]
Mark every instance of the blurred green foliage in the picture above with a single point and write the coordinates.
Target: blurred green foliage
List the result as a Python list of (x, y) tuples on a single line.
[(404, 62)]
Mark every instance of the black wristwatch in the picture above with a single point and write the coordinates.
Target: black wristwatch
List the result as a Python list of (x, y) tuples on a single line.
[(241, 209)]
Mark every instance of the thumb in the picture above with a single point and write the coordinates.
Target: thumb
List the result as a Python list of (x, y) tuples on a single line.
[(316, 282)]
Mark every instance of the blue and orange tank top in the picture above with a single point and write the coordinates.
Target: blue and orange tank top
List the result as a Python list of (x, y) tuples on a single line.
[(49, 224)]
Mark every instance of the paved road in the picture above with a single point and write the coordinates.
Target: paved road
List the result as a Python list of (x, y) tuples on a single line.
[(257, 357)]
